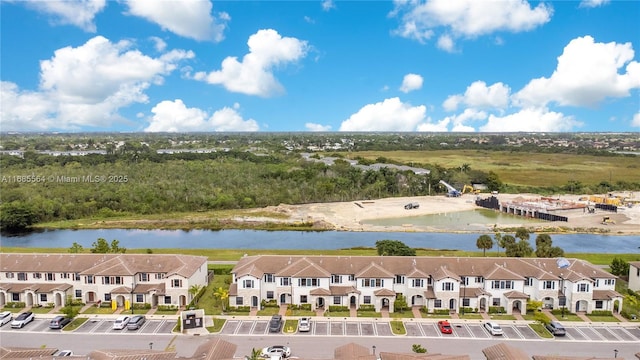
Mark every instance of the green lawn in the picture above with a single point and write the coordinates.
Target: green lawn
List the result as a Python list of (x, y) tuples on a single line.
[(268, 311), (290, 326), (337, 313), (541, 330), (98, 310), (602, 318), (41, 310), (502, 317), (397, 327), (401, 315), (75, 323), (369, 314), (291, 312), (217, 325), (470, 316)]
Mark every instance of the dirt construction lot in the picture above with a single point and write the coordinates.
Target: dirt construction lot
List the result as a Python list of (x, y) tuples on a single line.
[(350, 216)]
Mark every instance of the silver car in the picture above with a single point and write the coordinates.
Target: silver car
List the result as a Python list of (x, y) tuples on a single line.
[(304, 325), (5, 317), (22, 319)]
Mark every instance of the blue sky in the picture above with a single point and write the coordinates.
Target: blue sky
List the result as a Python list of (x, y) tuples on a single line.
[(416, 66)]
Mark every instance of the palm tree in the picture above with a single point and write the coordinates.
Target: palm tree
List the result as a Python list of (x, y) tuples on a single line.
[(484, 242), (221, 294), (195, 290), (255, 355)]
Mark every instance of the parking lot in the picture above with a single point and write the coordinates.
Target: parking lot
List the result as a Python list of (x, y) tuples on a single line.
[(101, 326), (331, 327)]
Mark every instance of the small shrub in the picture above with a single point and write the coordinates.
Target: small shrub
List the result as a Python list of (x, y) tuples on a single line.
[(601, 313), (338, 308), (15, 305), (496, 310), (269, 303), (417, 348), (367, 307)]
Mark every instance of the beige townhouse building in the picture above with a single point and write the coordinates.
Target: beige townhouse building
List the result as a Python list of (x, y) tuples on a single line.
[(435, 283), (45, 279)]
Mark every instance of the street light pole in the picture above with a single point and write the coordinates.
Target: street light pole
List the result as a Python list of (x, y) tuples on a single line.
[(131, 304), (464, 288)]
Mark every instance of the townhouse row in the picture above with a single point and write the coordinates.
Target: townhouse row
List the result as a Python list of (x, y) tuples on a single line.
[(435, 283), (126, 279)]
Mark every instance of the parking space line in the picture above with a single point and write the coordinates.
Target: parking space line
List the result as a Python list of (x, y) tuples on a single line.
[(517, 331), (469, 330), (609, 331), (155, 331)]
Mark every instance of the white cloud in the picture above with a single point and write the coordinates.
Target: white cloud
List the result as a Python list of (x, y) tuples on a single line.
[(635, 122), (411, 82), (446, 43), (587, 73), (254, 76), (187, 18), (317, 127), (328, 5), (467, 18), (80, 13), (531, 120), (174, 116), (478, 95), (86, 86), (388, 115), (440, 126), (593, 3), (160, 45)]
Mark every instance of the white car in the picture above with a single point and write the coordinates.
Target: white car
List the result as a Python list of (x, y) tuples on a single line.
[(22, 319), (64, 353), (304, 325), (276, 350), (5, 317), (493, 328), (121, 323)]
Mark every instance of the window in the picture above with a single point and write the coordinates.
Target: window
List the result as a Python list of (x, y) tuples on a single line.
[(464, 280), (447, 286), (143, 277), (399, 279), (239, 300), (15, 296), (22, 276), (247, 284), (562, 301), (9, 275), (303, 299), (160, 276), (610, 282), (417, 283), (496, 301), (269, 294), (78, 293), (367, 299), (599, 304), (465, 302), (88, 279), (269, 278), (479, 280), (139, 298), (167, 299), (437, 303), (372, 282), (548, 284), (352, 277), (176, 283), (37, 276), (308, 282), (50, 276), (43, 297), (106, 280), (336, 279), (76, 277), (285, 281), (528, 281), (107, 297), (583, 287), (336, 300), (64, 275)]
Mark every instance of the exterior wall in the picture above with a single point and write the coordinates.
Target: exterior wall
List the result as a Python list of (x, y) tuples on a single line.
[(634, 277), (247, 293)]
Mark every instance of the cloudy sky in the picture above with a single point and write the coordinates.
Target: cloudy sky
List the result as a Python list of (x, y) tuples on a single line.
[(408, 65)]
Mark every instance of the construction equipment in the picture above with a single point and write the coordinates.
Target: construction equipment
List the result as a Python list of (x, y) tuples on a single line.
[(469, 189), (412, 205), (453, 192), (607, 220)]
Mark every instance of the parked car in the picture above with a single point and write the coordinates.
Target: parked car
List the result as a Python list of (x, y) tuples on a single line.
[(445, 327), (493, 328), (304, 325), (136, 322), (22, 319), (5, 317), (59, 322), (276, 350), (121, 322), (556, 328), (275, 324), (63, 353)]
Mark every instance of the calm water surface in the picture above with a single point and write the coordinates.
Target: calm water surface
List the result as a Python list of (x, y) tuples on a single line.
[(256, 239)]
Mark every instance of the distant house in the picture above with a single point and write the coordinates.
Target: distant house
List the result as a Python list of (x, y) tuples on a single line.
[(634, 275)]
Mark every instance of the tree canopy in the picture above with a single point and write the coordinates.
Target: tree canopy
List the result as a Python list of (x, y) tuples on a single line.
[(101, 246), (394, 248), (484, 242)]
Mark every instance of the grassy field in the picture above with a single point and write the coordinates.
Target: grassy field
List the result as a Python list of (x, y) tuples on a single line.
[(524, 168)]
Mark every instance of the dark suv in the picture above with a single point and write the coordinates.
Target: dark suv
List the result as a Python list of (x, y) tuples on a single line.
[(275, 324), (59, 322), (556, 328)]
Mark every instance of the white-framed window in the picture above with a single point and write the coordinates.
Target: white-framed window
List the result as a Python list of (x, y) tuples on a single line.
[(336, 279), (37, 275), (372, 282), (8, 275), (549, 285), (167, 299), (417, 283), (583, 287), (610, 281), (496, 301), (22, 276), (139, 298), (447, 286), (143, 277), (269, 295), (15, 296), (50, 277), (269, 278), (247, 284), (308, 282), (88, 279), (160, 276), (107, 297), (303, 299), (437, 303), (239, 300), (337, 300), (352, 277), (399, 279), (77, 277), (528, 281), (367, 299), (479, 279), (285, 281), (599, 304), (465, 302), (78, 293), (464, 280), (64, 275), (43, 297), (176, 283)]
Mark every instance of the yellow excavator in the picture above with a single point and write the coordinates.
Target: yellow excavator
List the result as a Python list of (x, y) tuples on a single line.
[(469, 189), (607, 220)]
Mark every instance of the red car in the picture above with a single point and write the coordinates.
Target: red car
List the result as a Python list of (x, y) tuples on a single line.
[(445, 327)]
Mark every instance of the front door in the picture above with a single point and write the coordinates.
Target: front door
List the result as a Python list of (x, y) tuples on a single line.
[(283, 298), (452, 304), (254, 301)]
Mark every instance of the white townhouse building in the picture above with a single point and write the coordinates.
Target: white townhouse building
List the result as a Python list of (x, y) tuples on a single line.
[(436, 283), (43, 279), (634, 275)]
